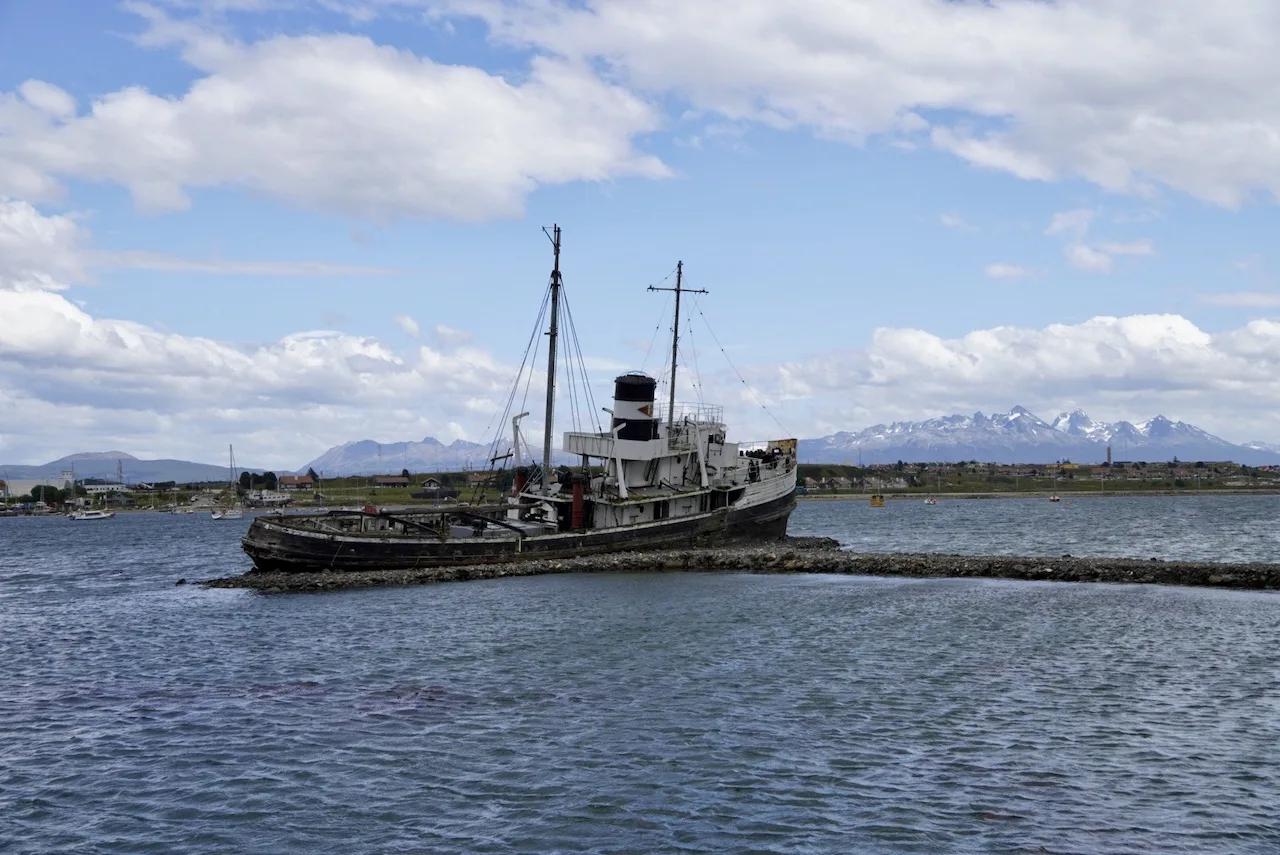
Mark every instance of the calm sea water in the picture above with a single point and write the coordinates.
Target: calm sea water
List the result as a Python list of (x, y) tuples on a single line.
[(645, 713)]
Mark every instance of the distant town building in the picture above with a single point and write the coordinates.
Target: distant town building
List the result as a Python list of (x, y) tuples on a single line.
[(296, 482), (390, 481)]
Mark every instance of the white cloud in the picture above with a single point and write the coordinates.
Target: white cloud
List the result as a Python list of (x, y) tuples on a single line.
[(1243, 300), (1099, 256), (70, 381), (47, 98), (52, 350), (1008, 271), (1107, 91), (332, 122), (1084, 257), (408, 325), (1132, 367), (38, 251), (1045, 91)]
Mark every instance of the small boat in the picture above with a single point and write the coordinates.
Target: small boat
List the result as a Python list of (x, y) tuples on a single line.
[(1054, 499), (234, 512), (930, 500), (91, 515), (877, 501)]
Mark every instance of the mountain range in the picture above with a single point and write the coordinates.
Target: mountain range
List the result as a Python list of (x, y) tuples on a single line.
[(103, 465), (1018, 436), (367, 457)]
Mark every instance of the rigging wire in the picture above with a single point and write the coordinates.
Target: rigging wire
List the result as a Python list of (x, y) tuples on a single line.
[(585, 384), (515, 383), (566, 348), (666, 302), (736, 371), (505, 416), (696, 380)]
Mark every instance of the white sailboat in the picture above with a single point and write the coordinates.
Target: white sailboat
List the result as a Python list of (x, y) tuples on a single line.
[(234, 512)]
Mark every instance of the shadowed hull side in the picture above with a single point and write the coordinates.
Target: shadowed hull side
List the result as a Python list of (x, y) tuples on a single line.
[(275, 545)]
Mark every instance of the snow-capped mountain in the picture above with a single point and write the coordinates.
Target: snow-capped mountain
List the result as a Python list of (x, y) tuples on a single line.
[(1019, 436)]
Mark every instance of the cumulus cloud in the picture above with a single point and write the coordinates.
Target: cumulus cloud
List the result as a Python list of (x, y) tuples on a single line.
[(1119, 367), (71, 381), (38, 251), (53, 351), (1113, 92), (1045, 91), (331, 122)]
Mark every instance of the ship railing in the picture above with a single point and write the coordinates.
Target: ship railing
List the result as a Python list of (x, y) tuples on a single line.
[(698, 413)]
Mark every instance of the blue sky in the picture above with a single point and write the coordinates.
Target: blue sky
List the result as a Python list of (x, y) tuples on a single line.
[(214, 208)]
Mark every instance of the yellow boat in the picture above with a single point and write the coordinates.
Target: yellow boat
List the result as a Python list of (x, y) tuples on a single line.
[(877, 501)]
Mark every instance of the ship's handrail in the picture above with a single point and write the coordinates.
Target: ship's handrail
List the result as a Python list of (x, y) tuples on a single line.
[(694, 412)]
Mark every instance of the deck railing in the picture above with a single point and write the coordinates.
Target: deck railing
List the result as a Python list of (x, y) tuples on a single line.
[(700, 413)]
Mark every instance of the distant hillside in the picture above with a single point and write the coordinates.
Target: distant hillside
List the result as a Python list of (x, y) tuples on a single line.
[(102, 464), (367, 457), (1019, 436)]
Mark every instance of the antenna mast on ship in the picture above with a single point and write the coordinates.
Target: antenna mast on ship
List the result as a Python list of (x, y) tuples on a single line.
[(554, 235), (675, 337)]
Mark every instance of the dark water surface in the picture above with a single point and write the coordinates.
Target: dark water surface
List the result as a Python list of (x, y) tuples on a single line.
[(644, 713), (1188, 527)]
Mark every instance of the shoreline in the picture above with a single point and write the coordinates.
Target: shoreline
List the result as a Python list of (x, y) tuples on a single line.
[(794, 555)]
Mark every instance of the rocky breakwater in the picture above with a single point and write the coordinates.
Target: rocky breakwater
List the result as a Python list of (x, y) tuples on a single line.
[(797, 555)]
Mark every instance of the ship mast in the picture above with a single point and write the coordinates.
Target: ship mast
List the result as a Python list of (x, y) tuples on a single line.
[(675, 337), (554, 235)]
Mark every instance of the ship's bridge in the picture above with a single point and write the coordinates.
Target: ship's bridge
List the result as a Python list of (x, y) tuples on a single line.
[(695, 425)]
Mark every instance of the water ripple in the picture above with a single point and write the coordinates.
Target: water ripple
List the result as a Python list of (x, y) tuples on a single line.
[(626, 713)]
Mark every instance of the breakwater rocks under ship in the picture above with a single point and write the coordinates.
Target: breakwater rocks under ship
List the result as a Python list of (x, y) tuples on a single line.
[(797, 555)]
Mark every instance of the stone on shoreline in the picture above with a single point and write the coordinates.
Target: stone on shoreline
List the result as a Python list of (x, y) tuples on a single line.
[(796, 555)]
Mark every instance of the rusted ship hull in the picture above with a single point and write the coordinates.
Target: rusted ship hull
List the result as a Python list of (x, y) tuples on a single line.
[(281, 543)]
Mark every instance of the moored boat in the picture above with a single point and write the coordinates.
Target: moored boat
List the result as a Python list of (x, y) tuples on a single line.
[(91, 515), (657, 477), (236, 510)]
